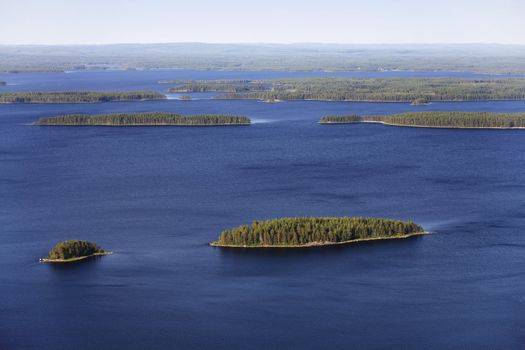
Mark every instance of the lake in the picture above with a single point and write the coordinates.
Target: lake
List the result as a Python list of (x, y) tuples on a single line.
[(156, 196)]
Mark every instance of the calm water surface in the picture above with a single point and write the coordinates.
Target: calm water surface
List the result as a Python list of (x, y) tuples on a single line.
[(157, 195)]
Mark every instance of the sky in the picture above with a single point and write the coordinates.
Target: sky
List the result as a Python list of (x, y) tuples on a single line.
[(268, 21)]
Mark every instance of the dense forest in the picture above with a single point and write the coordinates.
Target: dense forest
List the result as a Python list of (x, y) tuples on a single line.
[(203, 87), (74, 249), (480, 58), (439, 119), (78, 96), (417, 91), (145, 119), (304, 231)]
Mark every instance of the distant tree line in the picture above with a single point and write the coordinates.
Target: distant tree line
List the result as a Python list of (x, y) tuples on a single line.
[(206, 81), (74, 249), (439, 119), (446, 58), (78, 96), (200, 87), (307, 230), (149, 118), (417, 91)]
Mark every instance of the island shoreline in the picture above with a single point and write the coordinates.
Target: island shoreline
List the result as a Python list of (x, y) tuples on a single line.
[(321, 244), (149, 125), (79, 258), (423, 126)]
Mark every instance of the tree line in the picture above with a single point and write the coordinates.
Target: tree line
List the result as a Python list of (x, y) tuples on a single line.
[(205, 81), (420, 90), (306, 230), (439, 119), (78, 96), (149, 118), (201, 87)]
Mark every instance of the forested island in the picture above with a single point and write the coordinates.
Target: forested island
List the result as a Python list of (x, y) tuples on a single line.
[(414, 90), (315, 231), (3, 83), (142, 119), (473, 120), (74, 250), (78, 96), (203, 87)]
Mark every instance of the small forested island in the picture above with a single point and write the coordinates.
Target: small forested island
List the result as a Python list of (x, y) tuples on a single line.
[(202, 87), (78, 96), (409, 90), (464, 120), (3, 83), (185, 98), (142, 119), (315, 231), (74, 250)]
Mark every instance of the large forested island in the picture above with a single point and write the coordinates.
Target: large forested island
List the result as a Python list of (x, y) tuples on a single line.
[(218, 87), (315, 231), (74, 250), (413, 90), (79, 96), (143, 119), (473, 120)]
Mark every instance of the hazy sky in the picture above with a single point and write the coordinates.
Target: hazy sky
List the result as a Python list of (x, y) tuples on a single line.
[(276, 21)]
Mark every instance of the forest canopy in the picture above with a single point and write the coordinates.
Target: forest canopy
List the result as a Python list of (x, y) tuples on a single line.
[(203, 87), (438, 119), (414, 90), (142, 119), (78, 96), (309, 231), (73, 250)]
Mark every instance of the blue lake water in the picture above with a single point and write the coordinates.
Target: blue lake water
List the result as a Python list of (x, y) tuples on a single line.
[(156, 196), (148, 79)]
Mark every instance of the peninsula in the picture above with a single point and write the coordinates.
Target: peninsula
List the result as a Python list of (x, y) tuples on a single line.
[(74, 250), (315, 231), (142, 119), (460, 120), (408, 90), (79, 96)]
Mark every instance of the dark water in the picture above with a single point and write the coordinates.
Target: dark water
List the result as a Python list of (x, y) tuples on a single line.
[(156, 195)]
